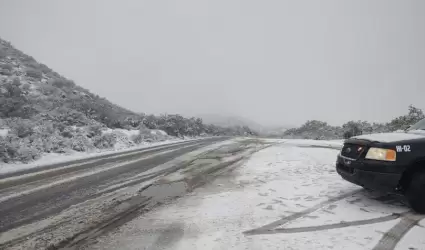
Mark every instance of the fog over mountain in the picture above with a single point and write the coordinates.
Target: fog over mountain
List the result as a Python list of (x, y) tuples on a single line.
[(274, 62)]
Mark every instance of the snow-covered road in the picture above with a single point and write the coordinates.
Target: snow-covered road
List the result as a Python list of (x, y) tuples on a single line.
[(47, 208), (287, 196)]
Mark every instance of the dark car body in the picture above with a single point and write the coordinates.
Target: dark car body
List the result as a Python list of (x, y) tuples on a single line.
[(380, 175)]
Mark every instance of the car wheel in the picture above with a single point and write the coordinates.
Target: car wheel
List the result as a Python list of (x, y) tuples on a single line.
[(416, 192)]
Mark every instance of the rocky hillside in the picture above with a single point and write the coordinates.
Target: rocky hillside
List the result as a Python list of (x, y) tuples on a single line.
[(43, 112)]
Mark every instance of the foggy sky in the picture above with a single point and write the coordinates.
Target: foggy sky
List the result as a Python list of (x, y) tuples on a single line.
[(272, 61)]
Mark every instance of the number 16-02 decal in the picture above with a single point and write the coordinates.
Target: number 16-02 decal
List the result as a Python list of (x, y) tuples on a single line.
[(404, 148)]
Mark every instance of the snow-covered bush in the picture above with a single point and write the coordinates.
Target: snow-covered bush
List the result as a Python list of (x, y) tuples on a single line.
[(36, 74), (352, 128), (145, 135), (68, 132), (104, 141), (26, 154), (402, 122), (62, 83), (48, 90), (6, 66), (15, 149), (45, 129), (7, 151), (59, 126), (3, 54), (22, 127), (314, 130), (123, 141), (57, 144), (94, 130), (137, 138), (159, 134), (5, 72), (81, 143), (26, 87), (69, 117), (318, 129), (38, 143)]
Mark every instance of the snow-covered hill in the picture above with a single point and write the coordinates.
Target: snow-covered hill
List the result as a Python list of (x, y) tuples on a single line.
[(43, 112)]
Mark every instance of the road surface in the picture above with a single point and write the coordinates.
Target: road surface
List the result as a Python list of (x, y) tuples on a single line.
[(250, 194), (37, 194), (286, 196)]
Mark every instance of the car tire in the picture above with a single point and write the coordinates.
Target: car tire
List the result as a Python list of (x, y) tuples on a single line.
[(416, 192)]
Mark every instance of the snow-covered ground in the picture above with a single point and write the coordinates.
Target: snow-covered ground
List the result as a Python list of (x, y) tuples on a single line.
[(335, 144), (287, 196), (4, 132)]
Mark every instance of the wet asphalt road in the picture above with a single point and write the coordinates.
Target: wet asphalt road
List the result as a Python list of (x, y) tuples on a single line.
[(26, 200)]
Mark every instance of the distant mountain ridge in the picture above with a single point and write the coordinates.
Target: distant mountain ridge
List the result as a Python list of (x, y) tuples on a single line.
[(230, 121), (233, 120)]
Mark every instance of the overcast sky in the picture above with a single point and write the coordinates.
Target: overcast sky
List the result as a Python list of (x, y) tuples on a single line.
[(275, 62)]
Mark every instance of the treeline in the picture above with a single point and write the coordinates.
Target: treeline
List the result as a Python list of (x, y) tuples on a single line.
[(314, 129)]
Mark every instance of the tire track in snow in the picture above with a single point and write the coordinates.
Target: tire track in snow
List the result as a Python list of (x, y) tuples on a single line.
[(396, 233), (332, 226), (389, 240), (270, 227)]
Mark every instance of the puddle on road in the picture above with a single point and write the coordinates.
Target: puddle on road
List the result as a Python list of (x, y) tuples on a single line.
[(165, 191)]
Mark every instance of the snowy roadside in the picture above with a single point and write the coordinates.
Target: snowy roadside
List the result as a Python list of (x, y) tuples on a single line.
[(334, 144), (54, 158), (284, 197), (117, 197)]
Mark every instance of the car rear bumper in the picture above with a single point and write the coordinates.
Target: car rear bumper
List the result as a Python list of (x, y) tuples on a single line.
[(361, 174)]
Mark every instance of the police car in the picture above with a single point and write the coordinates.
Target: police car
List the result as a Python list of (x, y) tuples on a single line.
[(388, 162)]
